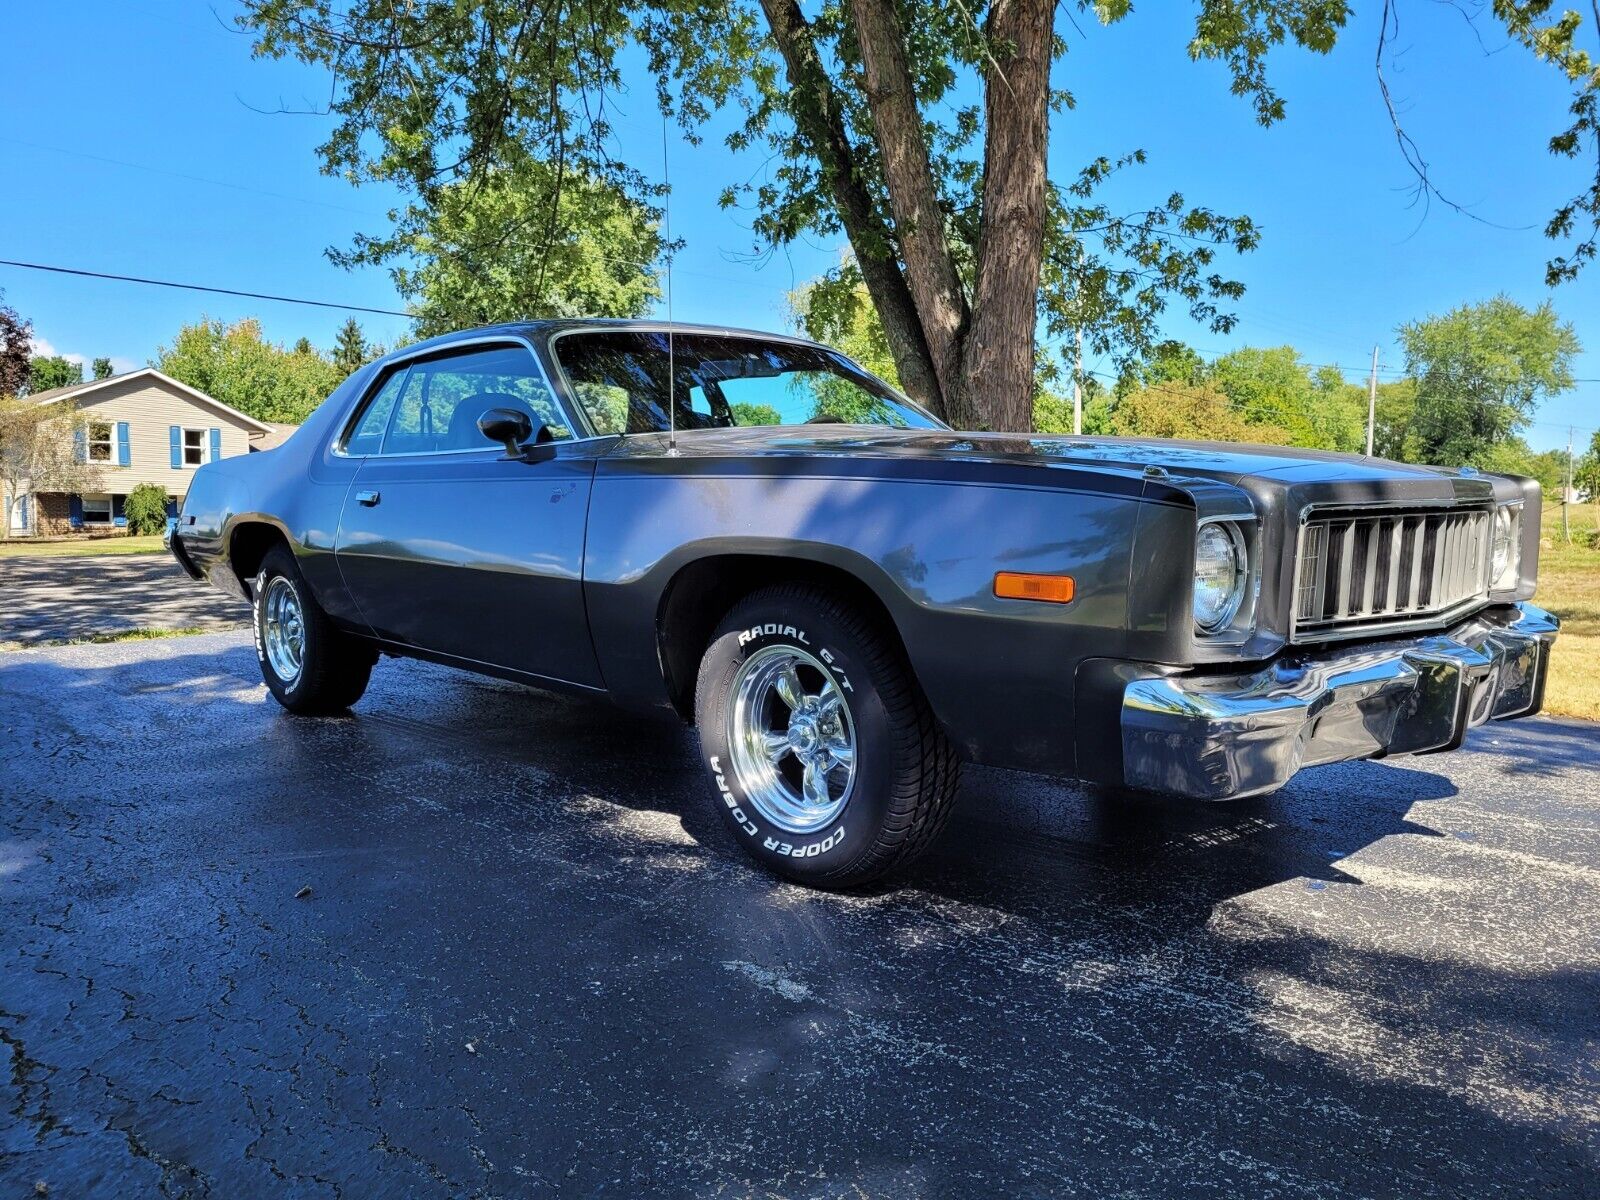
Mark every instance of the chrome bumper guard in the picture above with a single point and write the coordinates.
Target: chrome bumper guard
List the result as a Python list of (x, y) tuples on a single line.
[(1214, 737)]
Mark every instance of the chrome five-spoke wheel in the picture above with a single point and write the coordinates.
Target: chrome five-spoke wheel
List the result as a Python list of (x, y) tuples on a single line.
[(283, 629), (791, 738)]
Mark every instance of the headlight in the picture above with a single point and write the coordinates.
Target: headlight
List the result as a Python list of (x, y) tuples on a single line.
[(1505, 550), (1220, 573)]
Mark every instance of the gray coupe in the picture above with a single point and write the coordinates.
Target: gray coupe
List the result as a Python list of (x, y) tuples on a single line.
[(847, 598)]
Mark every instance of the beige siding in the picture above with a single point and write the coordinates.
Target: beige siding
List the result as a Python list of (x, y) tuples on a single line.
[(151, 408)]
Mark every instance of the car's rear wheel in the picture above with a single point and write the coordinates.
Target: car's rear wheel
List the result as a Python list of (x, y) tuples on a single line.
[(309, 665), (828, 765)]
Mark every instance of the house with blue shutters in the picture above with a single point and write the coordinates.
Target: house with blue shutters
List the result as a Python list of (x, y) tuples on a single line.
[(139, 427)]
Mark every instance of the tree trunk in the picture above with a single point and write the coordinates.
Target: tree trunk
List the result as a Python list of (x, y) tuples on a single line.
[(996, 391), (820, 122), (930, 272)]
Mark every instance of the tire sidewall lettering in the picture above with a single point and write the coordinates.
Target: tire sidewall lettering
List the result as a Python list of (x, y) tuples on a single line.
[(751, 639)]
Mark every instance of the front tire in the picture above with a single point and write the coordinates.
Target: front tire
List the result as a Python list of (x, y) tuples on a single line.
[(310, 666), (828, 765)]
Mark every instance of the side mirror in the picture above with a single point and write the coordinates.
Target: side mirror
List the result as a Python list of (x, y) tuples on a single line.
[(507, 426)]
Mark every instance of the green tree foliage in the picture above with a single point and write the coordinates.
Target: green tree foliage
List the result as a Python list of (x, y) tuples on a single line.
[(1196, 412), (531, 241), (146, 509), (1271, 386), (350, 347), (52, 371), (16, 342), (1585, 472), (102, 368), (1480, 372), (237, 365)]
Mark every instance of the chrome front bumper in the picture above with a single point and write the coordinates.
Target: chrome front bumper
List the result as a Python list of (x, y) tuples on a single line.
[(1214, 737)]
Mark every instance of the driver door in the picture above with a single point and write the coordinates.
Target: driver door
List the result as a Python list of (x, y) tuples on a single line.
[(450, 547)]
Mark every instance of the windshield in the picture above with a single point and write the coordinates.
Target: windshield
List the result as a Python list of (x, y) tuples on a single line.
[(620, 377)]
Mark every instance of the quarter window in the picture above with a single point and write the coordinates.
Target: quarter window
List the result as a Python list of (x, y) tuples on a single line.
[(99, 442), (194, 447)]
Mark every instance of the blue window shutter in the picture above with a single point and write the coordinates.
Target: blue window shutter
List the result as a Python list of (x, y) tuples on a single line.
[(172, 507), (123, 456), (119, 514), (75, 511), (80, 445), (24, 503), (216, 444), (177, 447)]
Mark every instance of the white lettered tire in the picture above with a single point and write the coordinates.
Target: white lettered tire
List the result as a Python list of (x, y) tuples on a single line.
[(824, 757)]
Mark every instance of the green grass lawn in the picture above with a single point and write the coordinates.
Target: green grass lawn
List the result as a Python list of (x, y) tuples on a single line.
[(79, 547), (1569, 586)]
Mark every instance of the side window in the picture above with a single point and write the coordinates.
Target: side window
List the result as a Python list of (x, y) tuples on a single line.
[(367, 436), (437, 406)]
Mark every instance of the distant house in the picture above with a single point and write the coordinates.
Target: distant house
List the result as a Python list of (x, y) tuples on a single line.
[(140, 427)]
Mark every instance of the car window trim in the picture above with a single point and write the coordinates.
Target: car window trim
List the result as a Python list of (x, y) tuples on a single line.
[(407, 360)]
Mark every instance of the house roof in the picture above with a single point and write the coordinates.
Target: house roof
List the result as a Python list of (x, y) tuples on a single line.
[(278, 435), (76, 390)]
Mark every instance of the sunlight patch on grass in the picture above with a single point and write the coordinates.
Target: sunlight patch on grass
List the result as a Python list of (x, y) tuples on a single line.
[(79, 547)]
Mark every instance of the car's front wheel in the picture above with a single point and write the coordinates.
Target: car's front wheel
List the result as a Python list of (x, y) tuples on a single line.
[(309, 665), (827, 763)]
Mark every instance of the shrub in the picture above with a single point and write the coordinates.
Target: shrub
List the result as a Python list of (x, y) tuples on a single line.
[(146, 509)]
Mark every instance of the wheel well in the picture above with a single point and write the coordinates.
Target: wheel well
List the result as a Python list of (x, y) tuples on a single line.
[(701, 593), (248, 545)]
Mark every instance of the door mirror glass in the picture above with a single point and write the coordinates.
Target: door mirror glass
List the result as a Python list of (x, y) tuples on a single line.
[(508, 426)]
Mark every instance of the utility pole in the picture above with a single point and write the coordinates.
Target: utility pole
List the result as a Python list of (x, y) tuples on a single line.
[(1077, 390), (1566, 492), (1372, 400)]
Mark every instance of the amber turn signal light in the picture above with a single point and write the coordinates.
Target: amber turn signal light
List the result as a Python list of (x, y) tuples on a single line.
[(1015, 585)]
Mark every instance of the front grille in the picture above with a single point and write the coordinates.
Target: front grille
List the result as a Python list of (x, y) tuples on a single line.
[(1361, 569)]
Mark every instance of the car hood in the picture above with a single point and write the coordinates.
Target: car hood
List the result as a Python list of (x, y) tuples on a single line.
[(1223, 461)]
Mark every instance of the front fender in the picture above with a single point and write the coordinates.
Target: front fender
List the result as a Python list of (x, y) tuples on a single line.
[(997, 672)]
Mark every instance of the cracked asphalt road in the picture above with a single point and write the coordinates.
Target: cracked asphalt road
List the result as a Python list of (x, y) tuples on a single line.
[(532, 963)]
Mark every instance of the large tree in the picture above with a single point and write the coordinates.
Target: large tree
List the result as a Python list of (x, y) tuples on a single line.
[(237, 365), (917, 130), (1480, 371)]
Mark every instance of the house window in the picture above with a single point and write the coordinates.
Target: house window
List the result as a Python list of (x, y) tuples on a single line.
[(99, 442), (194, 447), (97, 510)]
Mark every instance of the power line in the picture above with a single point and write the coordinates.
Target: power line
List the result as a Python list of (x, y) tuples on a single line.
[(197, 287)]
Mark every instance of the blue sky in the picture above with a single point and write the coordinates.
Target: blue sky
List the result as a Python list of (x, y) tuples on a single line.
[(136, 144)]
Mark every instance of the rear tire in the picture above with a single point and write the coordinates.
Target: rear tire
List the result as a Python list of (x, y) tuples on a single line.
[(828, 765), (310, 666)]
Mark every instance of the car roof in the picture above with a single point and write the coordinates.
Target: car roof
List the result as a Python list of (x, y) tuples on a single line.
[(546, 328)]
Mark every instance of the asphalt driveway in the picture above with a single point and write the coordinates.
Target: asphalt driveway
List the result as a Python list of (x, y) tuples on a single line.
[(531, 963), (65, 599)]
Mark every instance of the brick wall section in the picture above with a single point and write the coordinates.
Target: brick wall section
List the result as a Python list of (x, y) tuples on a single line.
[(54, 515)]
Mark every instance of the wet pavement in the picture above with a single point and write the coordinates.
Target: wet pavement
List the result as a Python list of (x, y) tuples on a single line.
[(530, 962), (65, 599)]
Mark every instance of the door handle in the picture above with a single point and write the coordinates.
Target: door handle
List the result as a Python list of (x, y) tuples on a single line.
[(368, 498)]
